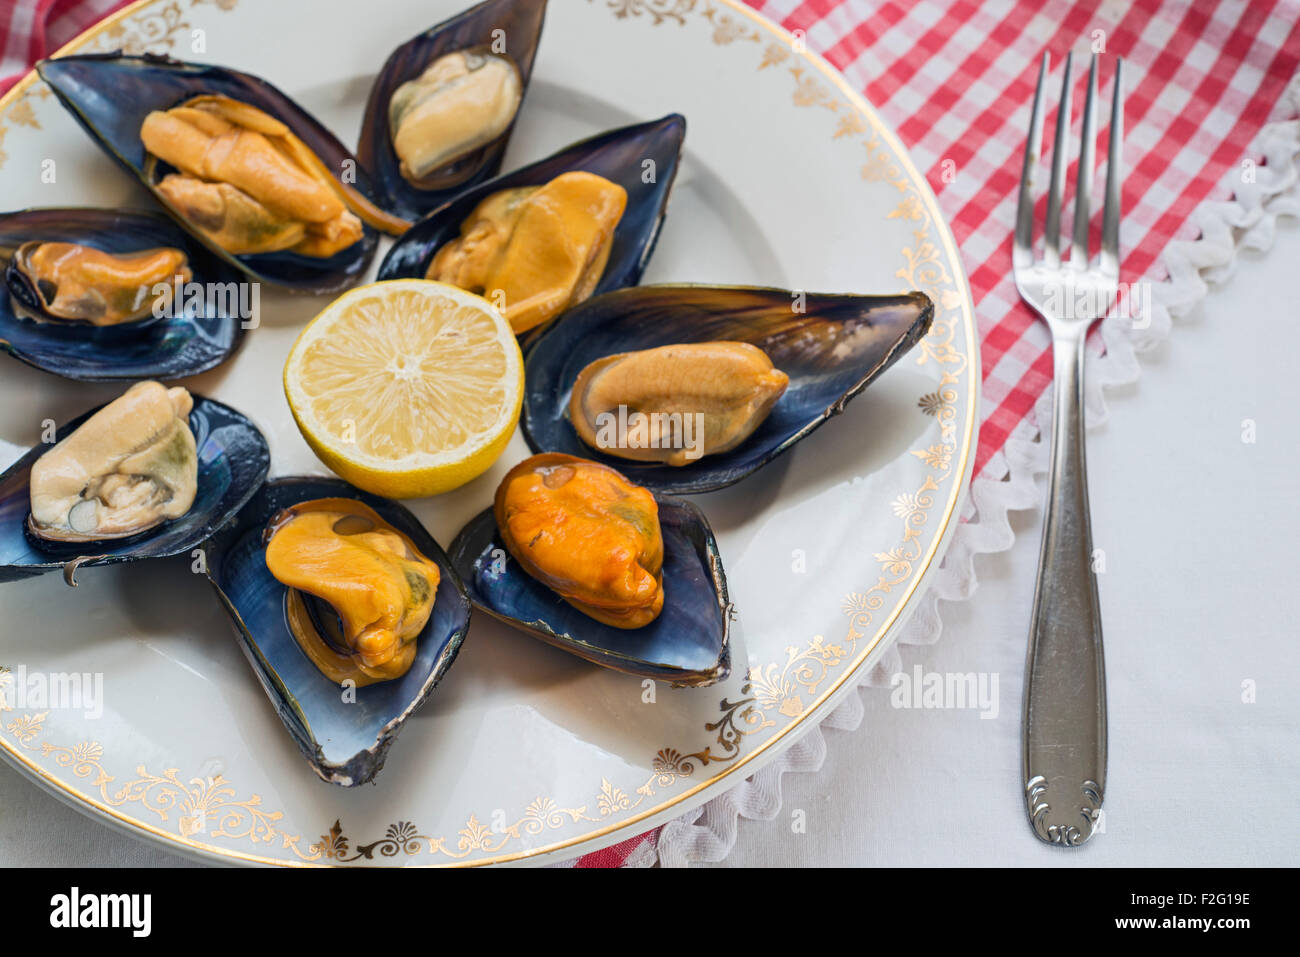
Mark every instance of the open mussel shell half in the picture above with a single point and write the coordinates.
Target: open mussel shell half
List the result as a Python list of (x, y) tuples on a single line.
[(111, 94), (197, 332), (345, 742), (233, 459), (832, 348), (688, 645), (622, 156), (510, 28)]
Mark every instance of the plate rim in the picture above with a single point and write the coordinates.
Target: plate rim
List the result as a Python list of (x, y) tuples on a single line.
[(766, 750)]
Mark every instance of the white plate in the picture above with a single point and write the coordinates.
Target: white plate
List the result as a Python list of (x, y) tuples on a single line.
[(789, 179)]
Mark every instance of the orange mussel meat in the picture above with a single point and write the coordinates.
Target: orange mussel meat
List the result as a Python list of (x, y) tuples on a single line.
[(586, 532), (380, 586)]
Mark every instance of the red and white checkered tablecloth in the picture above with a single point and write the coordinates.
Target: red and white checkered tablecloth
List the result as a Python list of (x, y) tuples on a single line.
[(955, 79)]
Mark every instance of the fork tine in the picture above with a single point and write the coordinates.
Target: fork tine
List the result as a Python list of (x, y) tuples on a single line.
[(1023, 248), (1087, 156), (1060, 156), (1114, 176)]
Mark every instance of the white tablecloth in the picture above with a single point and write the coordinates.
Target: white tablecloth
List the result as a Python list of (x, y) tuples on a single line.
[(1198, 597), (1199, 532)]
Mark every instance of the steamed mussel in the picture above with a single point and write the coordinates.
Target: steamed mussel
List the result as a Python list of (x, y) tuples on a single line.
[(348, 612), (677, 403), (98, 294), (149, 475), (132, 465), (51, 281), (246, 181), (462, 101), (442, 109), (709, 363), (379, 588), (575, 554), (241, 166), (547, 236), (587, 533), (535, 250)]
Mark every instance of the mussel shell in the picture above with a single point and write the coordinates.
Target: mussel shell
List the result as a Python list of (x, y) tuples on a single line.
[(617, 155), (803, 345), (687, 645), (521, 21), (111, 94), (233, 460), (167, 348), (345, 743)]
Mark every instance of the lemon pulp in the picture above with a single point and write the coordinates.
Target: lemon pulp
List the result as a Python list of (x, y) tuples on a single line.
[(406, 388)]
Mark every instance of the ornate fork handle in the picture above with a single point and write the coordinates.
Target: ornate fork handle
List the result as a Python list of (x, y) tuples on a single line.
[(1064, 758)]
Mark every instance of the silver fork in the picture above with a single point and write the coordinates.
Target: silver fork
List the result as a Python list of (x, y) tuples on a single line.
[(1064, 721)]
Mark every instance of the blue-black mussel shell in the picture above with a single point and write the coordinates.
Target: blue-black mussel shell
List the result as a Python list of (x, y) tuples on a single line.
[(687, 645), (202, 333), (520, 26), (233, 460), (831, 346), (345, 742)]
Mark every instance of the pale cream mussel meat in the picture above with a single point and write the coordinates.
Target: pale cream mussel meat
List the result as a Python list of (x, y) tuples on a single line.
[(675, 403), (130, 467), (71, 282), (443, 106), (460, 103)]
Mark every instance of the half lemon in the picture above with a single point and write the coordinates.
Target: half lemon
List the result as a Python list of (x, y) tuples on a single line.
[(406, 388)]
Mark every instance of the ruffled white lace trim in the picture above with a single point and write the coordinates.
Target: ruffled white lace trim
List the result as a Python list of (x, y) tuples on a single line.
[(1008, 483)]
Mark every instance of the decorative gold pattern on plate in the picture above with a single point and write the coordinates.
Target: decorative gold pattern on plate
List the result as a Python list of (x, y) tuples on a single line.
[(153, 31), (660, 10), (776, 694), (204, 805), (21, 113), (208, 806)]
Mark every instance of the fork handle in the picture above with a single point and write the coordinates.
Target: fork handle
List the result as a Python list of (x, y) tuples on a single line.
[(1064, 722)]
